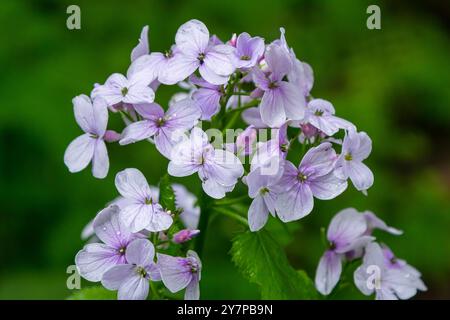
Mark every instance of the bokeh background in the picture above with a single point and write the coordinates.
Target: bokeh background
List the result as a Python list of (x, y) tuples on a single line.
[(392, 83)]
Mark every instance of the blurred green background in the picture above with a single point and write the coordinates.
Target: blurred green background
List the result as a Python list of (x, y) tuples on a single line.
[(392, 83)]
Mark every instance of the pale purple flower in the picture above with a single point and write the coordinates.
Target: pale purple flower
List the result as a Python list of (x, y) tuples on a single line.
[(142, 211), (178, 273), (207, 97), (154, 65), (301, 73), (373, 222), (166, 128), (197, 52), (313, 178), (386, 280), (347, 232), (142, 47), (248, 51), (355, 148), (320, 114), (392, 262), (270, 155), (188, 203), (252, 116), (245, 142), (133, 89), (185, 235), (218, 169), (261, 188), (281, 99), (92, 117), (96, 258), (132, 279)]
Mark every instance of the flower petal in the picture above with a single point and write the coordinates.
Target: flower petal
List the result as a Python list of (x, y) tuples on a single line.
[(175, 272), (327, 187), (295, 204), (258, 213), (100, 160), (192, 36), (328, 272), (140, 252), (110, 229), (134, 288), (360, 174), (143, 47), (132, 184), (137, 216), (115, 276), (79, 153), (95, 259), (271, 107)]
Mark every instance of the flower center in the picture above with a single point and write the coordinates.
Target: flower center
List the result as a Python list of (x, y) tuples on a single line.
[(141, 271), (124, 91), (93, 136), (301, 177), (332, 245), (122, 251), (148, 201), (160, 122), (273, 85), (348, 157), (168, 54), (245, 58), (264, 190), (318, 113), (201, 57), (284, 147)]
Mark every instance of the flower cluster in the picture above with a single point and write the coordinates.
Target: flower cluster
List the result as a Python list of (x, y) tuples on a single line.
[(222, 83), (350, 237)]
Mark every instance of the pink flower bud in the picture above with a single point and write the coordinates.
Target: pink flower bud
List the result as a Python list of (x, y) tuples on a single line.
[(184, 235), (111, 136)]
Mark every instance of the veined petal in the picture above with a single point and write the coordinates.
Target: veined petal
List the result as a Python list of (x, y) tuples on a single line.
[(192, 35), (193, 289), (116, 275), (258, 213), (140, 252), (328, 272), (183, 114), (360, 174), (346, 226), (133, 288), (95, 259), (179, 68), (327, 187), (132, 184), (295, 204), (160, 221), (294, 102), (138, 131), (79, 153), (139, 93), (100, 160), (110, 229), (175, 272), (137, 216), (272, 108), (211, 76), (84, 113), (142, 47)]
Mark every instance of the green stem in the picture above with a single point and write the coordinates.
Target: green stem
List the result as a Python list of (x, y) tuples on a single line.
[(205, 208), (226, 202), (154, 291), (231, 214)]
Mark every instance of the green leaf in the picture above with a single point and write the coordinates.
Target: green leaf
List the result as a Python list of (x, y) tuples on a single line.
[(263, 262), (166, 194), (93, 293)]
